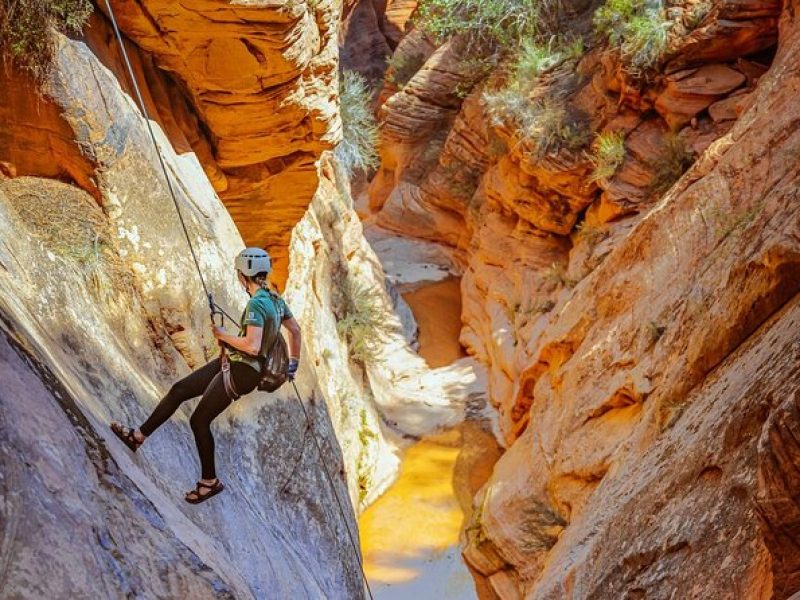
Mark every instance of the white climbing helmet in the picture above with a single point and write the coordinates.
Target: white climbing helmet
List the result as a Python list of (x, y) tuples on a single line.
[(252, 261)]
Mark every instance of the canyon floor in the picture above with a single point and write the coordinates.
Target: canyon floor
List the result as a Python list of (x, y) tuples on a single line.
[(411, 536)]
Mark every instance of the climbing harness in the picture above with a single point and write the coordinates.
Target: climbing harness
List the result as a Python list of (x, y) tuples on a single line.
[(227, 380), (216, 310)]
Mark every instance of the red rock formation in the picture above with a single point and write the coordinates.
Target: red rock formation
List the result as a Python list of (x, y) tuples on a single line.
[(621, 356), (261, 80), (35, 139)]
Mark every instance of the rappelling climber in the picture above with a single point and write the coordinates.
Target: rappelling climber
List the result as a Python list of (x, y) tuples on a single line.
[(260, 325)]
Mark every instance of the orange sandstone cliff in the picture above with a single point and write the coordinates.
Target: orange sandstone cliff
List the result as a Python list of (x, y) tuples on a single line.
[(641, 337)]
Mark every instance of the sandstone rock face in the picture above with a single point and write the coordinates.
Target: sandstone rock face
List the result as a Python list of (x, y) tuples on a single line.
[(453, 173), (370, 31), (380, 402), (261, 85), (101, 311), (615, 409)]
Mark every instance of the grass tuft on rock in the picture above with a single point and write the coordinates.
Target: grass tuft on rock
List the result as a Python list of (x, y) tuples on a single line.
[(608, 153), (362, 326), (540, 116), (26, 30), (483, 22), (638, 29), (671, 164), (358, 149)]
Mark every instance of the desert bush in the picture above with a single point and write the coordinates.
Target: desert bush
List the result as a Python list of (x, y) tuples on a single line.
[(534, 57), (71, 226), (501, 22), (637, 28), (25, 29), (696, 15), (358, 149), (362, 326), (672, 162), (545, 122), (608, 152)]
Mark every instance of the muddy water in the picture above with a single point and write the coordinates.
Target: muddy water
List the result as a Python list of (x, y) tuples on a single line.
[(410, 535)]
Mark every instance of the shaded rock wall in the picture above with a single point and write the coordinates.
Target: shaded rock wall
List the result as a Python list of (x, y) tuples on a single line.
[(101, 293)]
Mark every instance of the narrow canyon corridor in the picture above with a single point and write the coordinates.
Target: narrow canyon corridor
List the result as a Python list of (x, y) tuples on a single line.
[(542, 266), (411, 535)]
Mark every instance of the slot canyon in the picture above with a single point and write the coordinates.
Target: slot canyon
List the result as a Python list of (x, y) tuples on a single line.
[(545, 260)]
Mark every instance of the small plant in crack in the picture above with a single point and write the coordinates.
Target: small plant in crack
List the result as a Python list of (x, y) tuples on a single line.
[(655, 331), (672, 163), (728, 224), (608, 153), (556, 274)]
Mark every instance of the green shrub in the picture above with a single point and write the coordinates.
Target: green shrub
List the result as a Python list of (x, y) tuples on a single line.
[(545, 121), (696, 15), (534, 57), (362, 326), (365, 433), (637, 28), (358, 149), (673, 161), (608, 154), (403, 68), (25, 29), (501, 22)]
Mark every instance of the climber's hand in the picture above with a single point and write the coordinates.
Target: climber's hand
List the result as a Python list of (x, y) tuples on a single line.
[(293, 364), (218, 332)]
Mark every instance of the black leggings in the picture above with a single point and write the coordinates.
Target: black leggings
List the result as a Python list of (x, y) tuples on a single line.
[(207, 380)]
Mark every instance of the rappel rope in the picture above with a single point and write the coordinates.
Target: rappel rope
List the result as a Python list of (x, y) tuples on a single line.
[(333, 489), (214, 308)]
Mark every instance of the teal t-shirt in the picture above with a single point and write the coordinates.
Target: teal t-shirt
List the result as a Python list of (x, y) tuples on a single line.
[(265, 310)]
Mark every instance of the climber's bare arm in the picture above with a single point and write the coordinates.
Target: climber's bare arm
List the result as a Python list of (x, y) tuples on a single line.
[(293, 327), (250, 344)]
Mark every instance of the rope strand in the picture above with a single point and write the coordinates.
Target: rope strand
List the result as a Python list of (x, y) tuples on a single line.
[(333, 489)]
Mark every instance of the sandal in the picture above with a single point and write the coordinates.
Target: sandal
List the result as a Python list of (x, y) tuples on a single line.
[(127, 436), (195, 497)]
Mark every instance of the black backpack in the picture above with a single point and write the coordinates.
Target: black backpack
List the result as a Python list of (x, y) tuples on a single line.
[(275, 362)]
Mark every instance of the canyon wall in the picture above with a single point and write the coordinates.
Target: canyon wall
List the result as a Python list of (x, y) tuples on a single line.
[(638, 329), (249, 88)]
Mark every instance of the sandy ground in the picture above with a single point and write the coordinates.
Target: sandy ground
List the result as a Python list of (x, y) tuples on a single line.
[(410, 535), (437, 309)]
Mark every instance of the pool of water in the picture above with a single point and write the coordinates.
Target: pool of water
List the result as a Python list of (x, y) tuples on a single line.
[(410, 536)]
